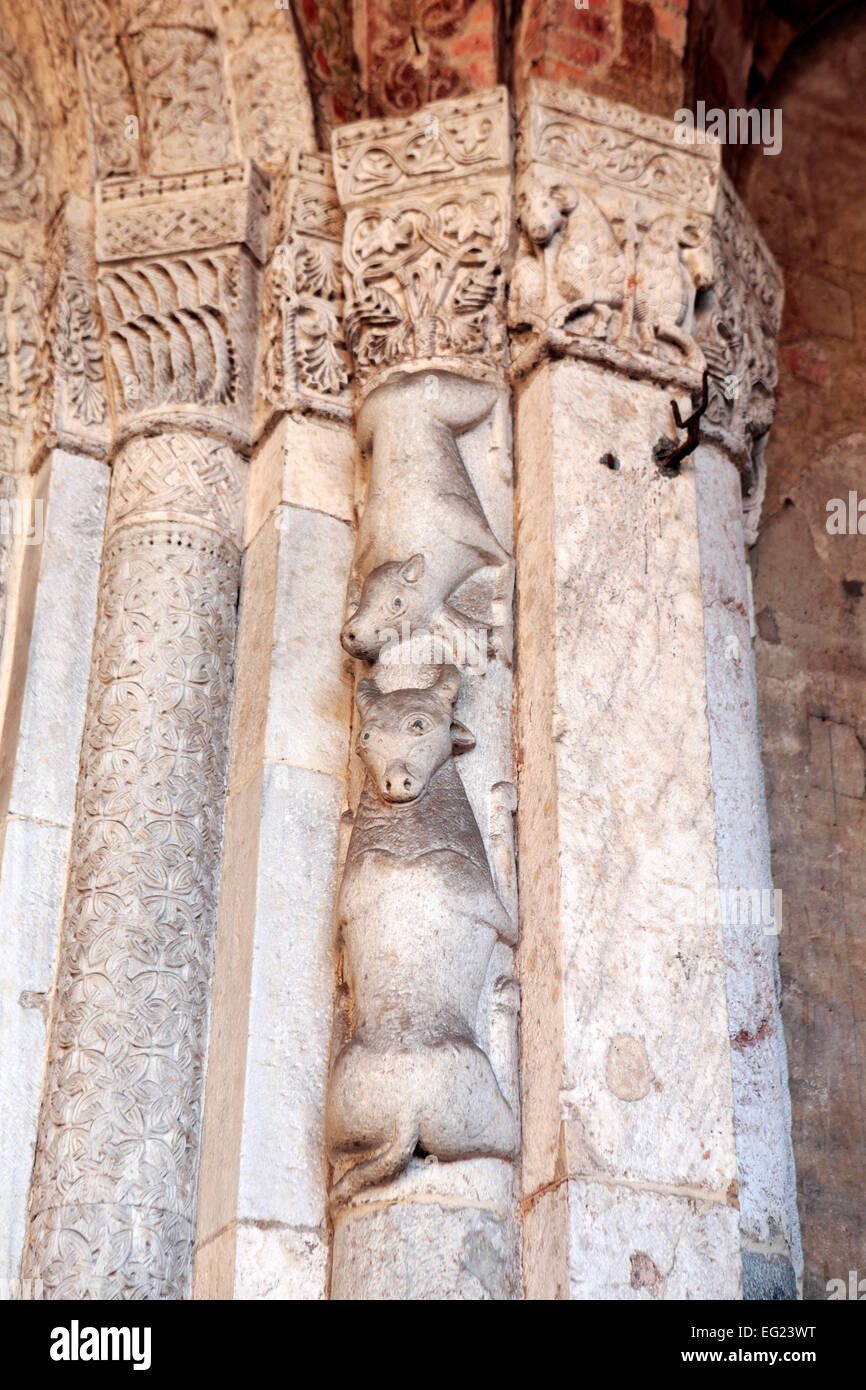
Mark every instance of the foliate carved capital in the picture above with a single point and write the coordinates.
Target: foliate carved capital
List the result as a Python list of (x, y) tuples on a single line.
[(738, 326), (615, 220), (428, 225), (306, 364), (75, 401), (179, 289)]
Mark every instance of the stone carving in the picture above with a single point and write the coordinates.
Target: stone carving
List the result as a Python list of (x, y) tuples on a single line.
[(177, 73), (738, 326), (75, 401), (138, 217), (181, 328), (306, 361), (111, 105), (22, 189), (424, 535), (412, 1077), (427, 227), (615, 238), (114, 1181)]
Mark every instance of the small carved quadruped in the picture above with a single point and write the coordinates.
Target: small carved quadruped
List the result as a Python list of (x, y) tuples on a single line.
[(418, 919)]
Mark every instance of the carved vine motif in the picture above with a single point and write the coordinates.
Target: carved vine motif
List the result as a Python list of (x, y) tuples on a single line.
[(109, 90), (738, 325), (412, 1072), (615, 237), (178, 77), (424, 540), (113, 1185), (427, 227), (20, 336), (306, 360), (21, 184), (75, 392)]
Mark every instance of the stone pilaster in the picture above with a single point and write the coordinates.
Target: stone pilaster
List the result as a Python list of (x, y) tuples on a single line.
[(114, 1182), (629, 1174), (422, 1121), (738, 320)]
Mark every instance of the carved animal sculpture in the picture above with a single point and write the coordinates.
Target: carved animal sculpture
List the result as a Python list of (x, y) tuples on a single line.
[(672, 264), (423, 532), (418, 916), (581, 277)]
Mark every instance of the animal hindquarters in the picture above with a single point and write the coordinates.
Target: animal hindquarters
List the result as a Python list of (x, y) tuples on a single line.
[(384, 1103)]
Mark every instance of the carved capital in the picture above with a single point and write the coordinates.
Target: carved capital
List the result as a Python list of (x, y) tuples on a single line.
[(738, 326), (428, 225), (615, 218), (179, 291), (306, 363), (75, 402)]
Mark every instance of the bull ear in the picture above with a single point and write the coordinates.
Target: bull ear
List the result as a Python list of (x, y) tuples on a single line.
[(413, 569), (367, 693), (461, 739), (565, 197), (353, 595), (447, 683)]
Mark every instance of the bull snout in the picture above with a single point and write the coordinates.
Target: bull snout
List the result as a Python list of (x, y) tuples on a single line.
[(355, 641), (400, 785)]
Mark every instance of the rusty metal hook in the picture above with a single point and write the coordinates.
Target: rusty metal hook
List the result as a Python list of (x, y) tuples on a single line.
[(667, 453)]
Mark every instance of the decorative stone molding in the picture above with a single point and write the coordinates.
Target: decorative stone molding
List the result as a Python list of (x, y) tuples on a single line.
[(21, 337), (306, 363), (428, 225), (75, 403), (22, 185), (174, 58), (738, 326), (111, 108), (114, 1180), (179, 292), (615, 221)]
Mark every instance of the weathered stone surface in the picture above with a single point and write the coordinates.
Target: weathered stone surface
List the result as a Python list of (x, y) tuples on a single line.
[(751, 919), (424, 1251), (625, 1069)]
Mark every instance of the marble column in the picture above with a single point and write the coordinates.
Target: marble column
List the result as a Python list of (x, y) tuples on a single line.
[(629, 1174), (112, 1199)]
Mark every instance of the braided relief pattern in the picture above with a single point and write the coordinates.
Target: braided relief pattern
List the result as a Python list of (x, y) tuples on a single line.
[(114, 1180)]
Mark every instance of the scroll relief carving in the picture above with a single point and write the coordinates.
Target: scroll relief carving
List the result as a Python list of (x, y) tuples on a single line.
[(738, 327), (428, 224), (306, 360), (181, 325), (111, 108), (615, 223), (173, 54), (22, 186), (419, 912), (75, 400)]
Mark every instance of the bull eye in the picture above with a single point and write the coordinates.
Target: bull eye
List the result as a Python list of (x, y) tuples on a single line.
[(397, 602), (418, 726), (366, 737)]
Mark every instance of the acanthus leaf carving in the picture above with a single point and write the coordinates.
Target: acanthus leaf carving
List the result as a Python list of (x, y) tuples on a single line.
[(306, 362), (427, 230), (615, 221)]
